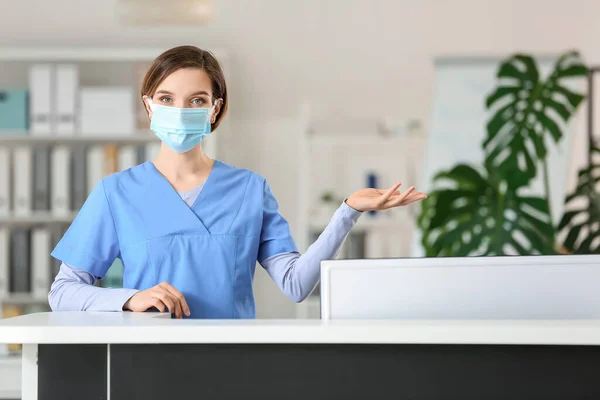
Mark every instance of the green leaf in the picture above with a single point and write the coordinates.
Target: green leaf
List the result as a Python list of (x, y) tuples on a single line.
[(550, 126), (538, 203), (558, 107), (572, 237), (479, 213), (574, 99), (573, 70), (500, 92), (515, 123), (588, 216)]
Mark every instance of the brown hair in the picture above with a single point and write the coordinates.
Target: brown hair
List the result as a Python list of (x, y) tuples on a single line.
[(187, 57)]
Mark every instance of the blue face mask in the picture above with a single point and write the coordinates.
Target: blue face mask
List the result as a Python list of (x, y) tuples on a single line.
[(181, 129)]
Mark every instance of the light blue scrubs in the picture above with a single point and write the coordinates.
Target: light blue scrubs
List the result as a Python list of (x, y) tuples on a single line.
[(207, 251)]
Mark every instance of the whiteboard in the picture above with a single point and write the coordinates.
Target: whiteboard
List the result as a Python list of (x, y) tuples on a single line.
[(508, 287), (458, 127)]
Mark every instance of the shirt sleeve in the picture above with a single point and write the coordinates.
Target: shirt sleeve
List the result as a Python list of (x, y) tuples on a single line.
[(91, 241), (275, 236), (74, 290), (297, 275)]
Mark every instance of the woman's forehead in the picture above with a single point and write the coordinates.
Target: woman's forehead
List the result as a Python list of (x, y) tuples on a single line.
[(186, 80)]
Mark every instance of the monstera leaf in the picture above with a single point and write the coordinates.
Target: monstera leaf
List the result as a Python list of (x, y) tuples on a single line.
[(481, 214), (582, 224), (526, 110)]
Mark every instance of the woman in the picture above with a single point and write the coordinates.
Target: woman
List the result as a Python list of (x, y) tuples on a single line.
[(190, 229)]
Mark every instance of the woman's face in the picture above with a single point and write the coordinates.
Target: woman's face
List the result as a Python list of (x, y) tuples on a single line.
[(185, 88)]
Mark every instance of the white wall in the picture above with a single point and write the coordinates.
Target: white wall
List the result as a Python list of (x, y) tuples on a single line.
[(349, 57)]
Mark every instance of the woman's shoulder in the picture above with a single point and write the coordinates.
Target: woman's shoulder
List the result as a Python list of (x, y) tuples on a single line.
[(233, 170), (136, 175)]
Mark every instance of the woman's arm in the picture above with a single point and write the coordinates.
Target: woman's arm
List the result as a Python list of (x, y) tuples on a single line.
[(74, 290), (297, 275)]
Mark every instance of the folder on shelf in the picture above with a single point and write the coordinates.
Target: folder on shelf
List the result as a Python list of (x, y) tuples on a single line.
[(14, 113), (95, 167), (98, 102), (111, 159), (20, 272), (4, 262), (41, 178), (22, 181), (41, 87), (140, 155), (66, 94), (127, 157), (60, 184), (5, 172), (40, 263), (78, 177)]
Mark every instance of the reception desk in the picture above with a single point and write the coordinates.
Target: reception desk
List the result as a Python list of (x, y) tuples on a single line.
[(118, 356)]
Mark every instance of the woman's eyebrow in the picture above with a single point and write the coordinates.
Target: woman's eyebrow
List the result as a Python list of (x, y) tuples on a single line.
[(202, 92), (163, 91)]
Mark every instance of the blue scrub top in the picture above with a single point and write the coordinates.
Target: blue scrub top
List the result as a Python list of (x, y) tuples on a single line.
[(207, 251)]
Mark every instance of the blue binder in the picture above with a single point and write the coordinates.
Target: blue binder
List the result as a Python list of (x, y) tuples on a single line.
[(14, 111)]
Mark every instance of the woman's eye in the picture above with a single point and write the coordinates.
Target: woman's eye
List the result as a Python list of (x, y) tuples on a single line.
[(197, 102), (165, 99)]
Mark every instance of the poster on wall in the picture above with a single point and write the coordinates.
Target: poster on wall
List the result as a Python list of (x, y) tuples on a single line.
[(497, 156)]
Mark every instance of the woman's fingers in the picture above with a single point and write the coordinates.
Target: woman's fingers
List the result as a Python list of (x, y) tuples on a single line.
[(385, 197), (183, 303), (169, 300), (414, 197), (397, 200), (159, 305)]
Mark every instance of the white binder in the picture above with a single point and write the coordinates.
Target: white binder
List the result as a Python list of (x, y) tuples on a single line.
[(66, 94), (40, 263), (60, 183), (95, 167), (127, 157), (4, 181), (4, 262), (41, 85), (99, 102), (22, 181)]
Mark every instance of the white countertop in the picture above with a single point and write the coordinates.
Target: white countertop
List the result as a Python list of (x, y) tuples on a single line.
[(97, 327)]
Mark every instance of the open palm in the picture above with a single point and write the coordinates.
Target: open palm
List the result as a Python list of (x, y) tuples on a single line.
[(383, 199)]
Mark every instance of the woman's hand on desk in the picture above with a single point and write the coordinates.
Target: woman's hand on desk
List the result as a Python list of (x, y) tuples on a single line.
[(378, 199), (163, 297)]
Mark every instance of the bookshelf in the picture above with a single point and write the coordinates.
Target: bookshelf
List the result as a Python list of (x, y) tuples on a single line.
[(114, 149)]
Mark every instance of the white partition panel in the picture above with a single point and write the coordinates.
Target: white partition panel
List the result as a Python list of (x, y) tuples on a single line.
[(515, 287)]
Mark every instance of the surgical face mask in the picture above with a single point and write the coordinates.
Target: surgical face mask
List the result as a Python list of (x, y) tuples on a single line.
[(181, 129)]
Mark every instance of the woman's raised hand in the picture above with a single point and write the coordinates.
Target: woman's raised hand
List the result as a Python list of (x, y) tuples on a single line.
[(383, 199)]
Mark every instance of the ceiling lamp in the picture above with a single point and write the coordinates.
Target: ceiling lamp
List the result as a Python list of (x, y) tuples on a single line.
[(164, 12)]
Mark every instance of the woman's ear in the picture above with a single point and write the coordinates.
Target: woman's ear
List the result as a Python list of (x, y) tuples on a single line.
[(145, 99), (218, 104)]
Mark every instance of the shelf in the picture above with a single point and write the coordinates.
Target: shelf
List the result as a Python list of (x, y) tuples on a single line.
[(14, 140), (23, 299), (87, 53), (78, 53), (37, 218)]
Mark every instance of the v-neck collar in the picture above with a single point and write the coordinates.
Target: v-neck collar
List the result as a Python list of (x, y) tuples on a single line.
[(186, 211)]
